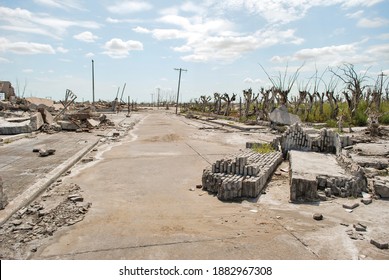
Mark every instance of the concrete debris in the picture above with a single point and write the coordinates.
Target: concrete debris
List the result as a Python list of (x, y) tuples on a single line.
[(318, 216), (39, 220), (242, 175), (350, 206), (283, 117), (45, 153), (359, 227), (379, 244), (381, 186), (46, 116)]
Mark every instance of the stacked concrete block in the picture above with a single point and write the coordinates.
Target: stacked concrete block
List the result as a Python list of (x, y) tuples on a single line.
[(296, 138), (242, 175)]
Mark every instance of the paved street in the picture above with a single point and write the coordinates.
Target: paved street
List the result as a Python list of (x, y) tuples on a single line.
[(142, 207)]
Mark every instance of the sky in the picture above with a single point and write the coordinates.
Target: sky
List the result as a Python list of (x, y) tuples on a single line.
[(47, 46)]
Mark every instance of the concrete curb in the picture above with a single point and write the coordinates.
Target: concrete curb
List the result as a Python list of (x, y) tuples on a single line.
[(41, 185), (36, 189)]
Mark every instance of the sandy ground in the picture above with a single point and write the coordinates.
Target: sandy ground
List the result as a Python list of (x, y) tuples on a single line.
[(144, 204)]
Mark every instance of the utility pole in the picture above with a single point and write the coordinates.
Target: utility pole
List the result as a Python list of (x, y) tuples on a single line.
[(93, 81), (158, 89), (152, 99), (179, 82)]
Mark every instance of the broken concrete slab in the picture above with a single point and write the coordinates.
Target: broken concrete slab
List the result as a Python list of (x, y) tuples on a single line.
[(12, 128), (381, 186), (379, 243), (350, 206), (36, 121), (282, 116), (311, 171), (68, 125), (92, 122), (47, 117)]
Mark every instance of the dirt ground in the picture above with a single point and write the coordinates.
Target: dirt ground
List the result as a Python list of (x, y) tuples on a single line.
[(137, 199)]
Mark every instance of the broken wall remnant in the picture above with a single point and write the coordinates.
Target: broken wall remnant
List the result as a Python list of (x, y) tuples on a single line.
[(7, 88), (381, 186), (297, 138), (312, 171), (242, 175)]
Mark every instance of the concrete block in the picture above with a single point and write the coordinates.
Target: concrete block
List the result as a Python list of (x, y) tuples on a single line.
[(36, 121)]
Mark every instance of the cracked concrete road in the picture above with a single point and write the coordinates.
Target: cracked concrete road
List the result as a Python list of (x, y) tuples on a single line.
[(145, 205), (143, 208)]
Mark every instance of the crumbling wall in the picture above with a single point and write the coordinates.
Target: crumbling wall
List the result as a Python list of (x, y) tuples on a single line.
[(297, 138), (241, 175)]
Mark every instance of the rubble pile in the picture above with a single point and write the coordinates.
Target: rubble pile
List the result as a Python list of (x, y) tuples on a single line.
[(24, 231), (39, 114), (241, 175)]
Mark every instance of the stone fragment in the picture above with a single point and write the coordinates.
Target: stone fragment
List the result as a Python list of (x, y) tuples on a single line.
[(351, 206), (36, 121), (282, 116), (359, 227), (47, 117), (318, 216), (75, 198), (379, 244), (381, 187), (367, 201)]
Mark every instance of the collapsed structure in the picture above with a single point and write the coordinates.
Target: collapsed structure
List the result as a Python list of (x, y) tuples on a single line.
[(26, 115), (316, 165)]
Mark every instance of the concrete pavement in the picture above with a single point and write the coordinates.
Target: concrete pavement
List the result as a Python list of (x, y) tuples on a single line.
[(25, 175)]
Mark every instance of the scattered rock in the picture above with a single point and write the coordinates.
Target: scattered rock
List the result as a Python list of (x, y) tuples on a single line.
[(199, 186), (85, 160), (366, 201), (75, 198), (359, 227), (192, 189), (351, 206), (379, 244), (317, 216)]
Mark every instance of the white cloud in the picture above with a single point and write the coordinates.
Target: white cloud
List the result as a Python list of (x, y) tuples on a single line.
[(356, 14), (27, 70), (62, 4), (22, 20), (372, 23), (86, 36), (139, 29), (4, 60), (89, 54), (384, 36), (62, 50), (125, 7), (25, 47), (283, 11), (253, 81), (117, 48), (126, 20)]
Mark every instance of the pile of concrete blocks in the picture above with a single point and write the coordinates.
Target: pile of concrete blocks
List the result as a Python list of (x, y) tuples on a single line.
[(297, 138), (242, 175)]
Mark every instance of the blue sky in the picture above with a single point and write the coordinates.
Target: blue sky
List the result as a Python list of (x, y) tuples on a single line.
[(46, 46)]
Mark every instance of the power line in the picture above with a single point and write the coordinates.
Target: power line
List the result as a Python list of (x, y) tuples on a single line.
[(179, 82)]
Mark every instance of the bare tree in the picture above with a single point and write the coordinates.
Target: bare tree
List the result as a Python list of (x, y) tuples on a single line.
[(228, 101), (280, 86), (217, 103), (353, 92), (204, 102)]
